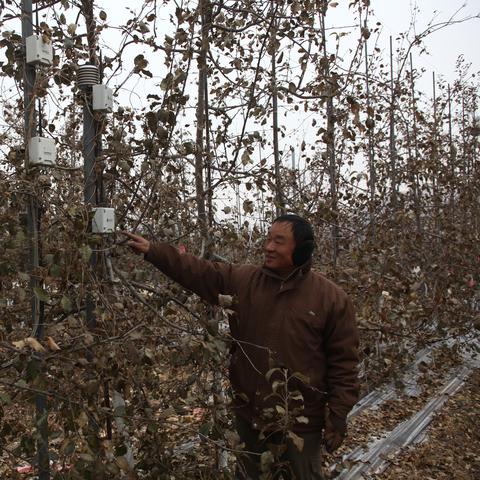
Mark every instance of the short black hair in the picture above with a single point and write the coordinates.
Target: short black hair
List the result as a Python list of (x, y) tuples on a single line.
[(302, 229), (303, 236)]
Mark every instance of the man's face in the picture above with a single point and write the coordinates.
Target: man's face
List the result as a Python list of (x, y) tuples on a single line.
[(279, 246)]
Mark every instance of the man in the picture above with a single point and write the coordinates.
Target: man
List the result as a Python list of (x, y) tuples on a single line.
[(293, 368)]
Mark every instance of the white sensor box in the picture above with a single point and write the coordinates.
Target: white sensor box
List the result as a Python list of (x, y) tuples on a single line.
[(102, 98), (38, 51), (103, 220), (42, 151)]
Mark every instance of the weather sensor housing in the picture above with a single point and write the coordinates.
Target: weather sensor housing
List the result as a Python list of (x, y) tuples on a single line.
[(42, 151), (103, 220), (38, 52), (102, 98), (87, 76)]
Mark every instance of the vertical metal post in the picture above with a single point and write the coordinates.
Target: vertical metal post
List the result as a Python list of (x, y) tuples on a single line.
[(435, 169), (29, 123), (452, 156), (90, 188), (239, 206), (474, 166), (200, 117), (371, 150), (474, 162), (417, 190), (279, 197), (330, 139), (37, 310), (393, 150)]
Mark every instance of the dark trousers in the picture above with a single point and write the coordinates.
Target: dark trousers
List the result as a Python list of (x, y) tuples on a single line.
[(293, 464)]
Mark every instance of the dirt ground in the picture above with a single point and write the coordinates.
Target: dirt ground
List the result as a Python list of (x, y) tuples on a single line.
[(452, 447)]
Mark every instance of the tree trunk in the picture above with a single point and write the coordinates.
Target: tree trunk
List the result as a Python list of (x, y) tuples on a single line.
[(201, 108), (452, 158), (393, 151), (434, 161), (414, 163), (279, 197), (371, 151), (330, 141)]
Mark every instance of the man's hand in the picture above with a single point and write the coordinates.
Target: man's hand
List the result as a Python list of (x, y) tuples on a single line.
[(137, 243), (335, 431)]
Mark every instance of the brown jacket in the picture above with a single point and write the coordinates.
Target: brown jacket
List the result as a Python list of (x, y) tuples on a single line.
[(305, 324)]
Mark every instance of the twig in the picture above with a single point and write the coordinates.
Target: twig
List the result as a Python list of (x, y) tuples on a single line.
[(160, 294), (144, 302)]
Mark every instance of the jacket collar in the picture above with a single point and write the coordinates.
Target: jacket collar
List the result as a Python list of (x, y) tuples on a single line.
[(293, 279)]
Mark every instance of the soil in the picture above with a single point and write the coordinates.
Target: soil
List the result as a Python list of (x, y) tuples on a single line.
[(451, 449)]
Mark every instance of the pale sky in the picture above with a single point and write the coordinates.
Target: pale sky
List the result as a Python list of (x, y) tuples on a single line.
[(445, 45)]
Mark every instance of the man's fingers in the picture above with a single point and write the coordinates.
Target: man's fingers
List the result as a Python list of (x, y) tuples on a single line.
[(137, 238), (136, 242)]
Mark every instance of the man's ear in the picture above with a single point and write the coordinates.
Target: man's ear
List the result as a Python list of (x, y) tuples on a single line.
[(303, 252)]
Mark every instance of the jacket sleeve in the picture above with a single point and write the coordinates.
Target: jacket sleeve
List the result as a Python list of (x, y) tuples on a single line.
[(206, 279), (341, 347)]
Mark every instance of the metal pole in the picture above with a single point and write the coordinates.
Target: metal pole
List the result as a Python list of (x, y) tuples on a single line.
[(90, 188), (330, 140), (417, 191), (279, 197), (435, 170), (371, 150), (452, 156), (393, 150), (200, 117), (37, 309)]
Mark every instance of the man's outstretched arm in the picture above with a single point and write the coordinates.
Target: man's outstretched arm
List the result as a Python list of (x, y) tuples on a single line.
[(206, 279)]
